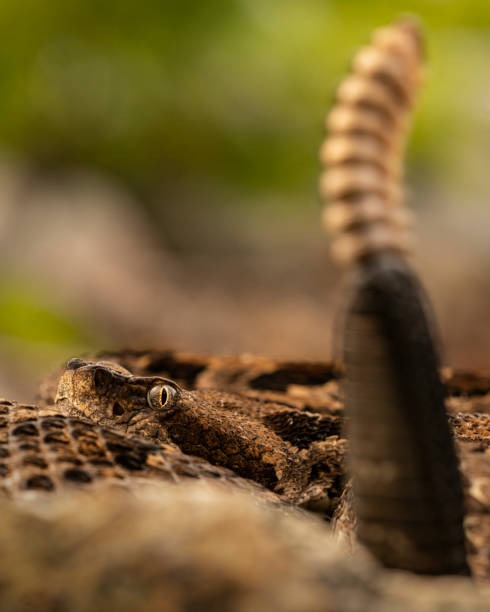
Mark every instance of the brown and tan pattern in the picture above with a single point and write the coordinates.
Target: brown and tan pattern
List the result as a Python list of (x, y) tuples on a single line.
[(363, 153), (257, 376), (279, 425), (304, 412), (42, 451), (91, 519), (296, 454)]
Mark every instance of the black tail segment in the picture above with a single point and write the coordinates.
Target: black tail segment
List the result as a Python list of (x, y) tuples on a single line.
[(407, 489)]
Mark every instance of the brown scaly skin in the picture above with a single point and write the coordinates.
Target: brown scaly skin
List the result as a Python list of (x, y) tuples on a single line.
[(314, 386), (467, 404), (43, 452), (119, 556), (312, 391), (275, 446), (258, 377), (407, 489)]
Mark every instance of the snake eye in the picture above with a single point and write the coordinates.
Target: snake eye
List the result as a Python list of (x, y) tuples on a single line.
[(161, 396)]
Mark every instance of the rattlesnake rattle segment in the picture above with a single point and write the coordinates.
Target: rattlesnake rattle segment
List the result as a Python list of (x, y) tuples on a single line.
[(363, 152), (175, 547), (406, 486)]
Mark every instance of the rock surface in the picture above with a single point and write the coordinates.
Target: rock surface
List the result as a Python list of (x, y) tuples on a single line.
[(188, 548)]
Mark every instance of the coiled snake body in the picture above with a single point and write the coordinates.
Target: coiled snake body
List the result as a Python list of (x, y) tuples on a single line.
[(139, 422)]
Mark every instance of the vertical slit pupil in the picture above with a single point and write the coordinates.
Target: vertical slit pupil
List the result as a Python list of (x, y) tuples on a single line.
[(163, 396)]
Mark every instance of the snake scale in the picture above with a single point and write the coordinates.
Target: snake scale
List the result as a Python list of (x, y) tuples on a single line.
[(91, 519)]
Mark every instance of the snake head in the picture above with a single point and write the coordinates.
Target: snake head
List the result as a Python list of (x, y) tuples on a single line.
[(108, 394)]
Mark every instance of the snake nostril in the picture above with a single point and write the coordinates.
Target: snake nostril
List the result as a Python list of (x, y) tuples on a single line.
[(74, 364)]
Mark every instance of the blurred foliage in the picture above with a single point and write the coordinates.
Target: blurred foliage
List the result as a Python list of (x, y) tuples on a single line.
[(217, 97), (34, 329), (234, 92)]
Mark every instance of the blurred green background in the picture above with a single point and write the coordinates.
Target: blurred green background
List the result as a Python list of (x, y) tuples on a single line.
[(159, 170)]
